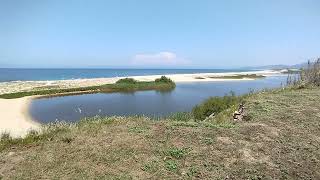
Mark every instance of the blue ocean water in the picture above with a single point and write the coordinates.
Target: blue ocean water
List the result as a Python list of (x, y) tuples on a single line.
[(12, 74)]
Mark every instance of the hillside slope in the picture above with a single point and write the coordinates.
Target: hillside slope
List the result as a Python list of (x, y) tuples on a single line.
[(280, 141)]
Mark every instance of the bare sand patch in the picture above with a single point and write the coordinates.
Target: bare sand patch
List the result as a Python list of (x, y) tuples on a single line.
[(15, 118)]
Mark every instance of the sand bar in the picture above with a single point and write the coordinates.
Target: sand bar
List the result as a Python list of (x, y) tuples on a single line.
[(18, 86)]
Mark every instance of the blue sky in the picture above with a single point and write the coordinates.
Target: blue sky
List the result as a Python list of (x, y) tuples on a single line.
[(162, 33)]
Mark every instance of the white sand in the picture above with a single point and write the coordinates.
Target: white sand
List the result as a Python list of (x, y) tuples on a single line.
[(17, 86), (205, 77), (14, 112), (15, 118)]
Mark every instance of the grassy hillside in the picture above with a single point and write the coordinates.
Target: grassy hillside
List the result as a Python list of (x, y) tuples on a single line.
[(281, 140)]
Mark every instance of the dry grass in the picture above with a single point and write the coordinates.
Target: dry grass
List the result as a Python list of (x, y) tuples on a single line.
[(308, 76), (311, 74), (281, 141)]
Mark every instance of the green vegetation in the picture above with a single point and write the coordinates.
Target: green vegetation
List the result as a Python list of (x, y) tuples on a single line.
[(177, 153), (122, 85), (151, 167), (198, 77), (171, 165), (240, 76), (164, 79), (280, 141), (180, 116), (127, 81), (215, 105)]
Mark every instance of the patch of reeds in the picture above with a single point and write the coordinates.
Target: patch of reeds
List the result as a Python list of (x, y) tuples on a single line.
[(309, 75)]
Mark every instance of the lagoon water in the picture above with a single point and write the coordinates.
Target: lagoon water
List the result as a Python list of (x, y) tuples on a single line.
[(151, 103)]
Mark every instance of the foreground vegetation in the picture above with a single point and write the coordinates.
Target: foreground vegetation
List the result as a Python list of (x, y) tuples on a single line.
[(121, 85), (281, 140)]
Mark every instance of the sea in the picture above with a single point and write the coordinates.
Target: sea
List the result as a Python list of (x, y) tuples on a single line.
[(18, 74)]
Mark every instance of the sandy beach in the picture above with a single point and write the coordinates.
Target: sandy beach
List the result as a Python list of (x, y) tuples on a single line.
[(18, 86), (15, 118), (14, 112)]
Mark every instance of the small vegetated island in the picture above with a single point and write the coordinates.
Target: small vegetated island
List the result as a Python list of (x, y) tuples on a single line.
[(122, 85), (239, 76)]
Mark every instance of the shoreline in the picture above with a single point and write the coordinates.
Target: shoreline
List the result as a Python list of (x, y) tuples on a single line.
[(18, 86), (16, 119)]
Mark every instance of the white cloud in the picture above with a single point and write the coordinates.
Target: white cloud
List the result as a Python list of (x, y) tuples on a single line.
[(161, 58)]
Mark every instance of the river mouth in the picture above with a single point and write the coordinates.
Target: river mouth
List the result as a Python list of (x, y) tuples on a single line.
[(149, 103)]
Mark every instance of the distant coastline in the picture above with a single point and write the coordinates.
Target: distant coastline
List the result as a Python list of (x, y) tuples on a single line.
[(18, 86), (54, 74)]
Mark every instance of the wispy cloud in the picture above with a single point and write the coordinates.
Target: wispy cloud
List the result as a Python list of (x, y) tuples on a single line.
[(161, 58)]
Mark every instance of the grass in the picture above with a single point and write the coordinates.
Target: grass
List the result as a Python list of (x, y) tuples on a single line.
[(215, 105), (311, 74), (122, 85), (280, 141), (240, 76), (171, 165), (177, 153), (181, 116)]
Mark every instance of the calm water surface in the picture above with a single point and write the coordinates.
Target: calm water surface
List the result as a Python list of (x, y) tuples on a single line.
[(151, 103)]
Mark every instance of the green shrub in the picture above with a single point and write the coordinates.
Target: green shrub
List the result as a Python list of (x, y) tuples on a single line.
[(127, 81), (214, 105), (163, 79)]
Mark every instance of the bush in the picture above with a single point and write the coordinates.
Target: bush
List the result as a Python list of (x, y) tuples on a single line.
[(163, 79), (127, 81), (214, 105)]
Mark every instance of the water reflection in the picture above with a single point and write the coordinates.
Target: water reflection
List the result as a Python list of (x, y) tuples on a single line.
[(151, 103)]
